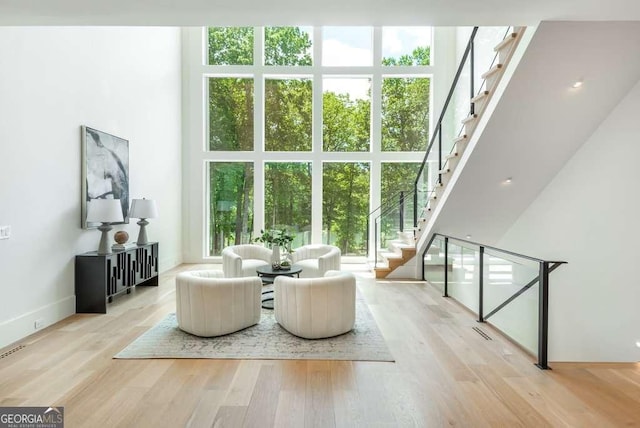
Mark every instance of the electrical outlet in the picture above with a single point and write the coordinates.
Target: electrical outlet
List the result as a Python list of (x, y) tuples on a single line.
[(38, 324), (5, 232)]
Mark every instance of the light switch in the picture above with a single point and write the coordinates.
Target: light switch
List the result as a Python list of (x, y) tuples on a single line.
[(5, 232)]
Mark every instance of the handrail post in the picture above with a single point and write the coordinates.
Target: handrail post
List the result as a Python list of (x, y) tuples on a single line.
[(415, 205), (401, 212), (471, 65), (367, 237), (375, 237), (481, 286), (543, 316), (446, 267), (439, 152)]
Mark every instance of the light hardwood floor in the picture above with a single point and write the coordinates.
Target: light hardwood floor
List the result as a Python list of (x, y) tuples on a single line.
[(445, 374)]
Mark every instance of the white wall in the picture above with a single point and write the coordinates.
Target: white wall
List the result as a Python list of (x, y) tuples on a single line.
[(588, 216), (125, 81)]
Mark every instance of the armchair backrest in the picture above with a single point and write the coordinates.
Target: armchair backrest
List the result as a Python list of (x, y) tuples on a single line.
[(250, 251), (314, 251)]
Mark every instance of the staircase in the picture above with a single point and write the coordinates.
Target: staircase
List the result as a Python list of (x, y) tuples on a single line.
[(398, 260)]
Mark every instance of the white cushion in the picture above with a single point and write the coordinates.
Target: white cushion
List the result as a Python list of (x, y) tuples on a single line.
[(239, 260), (209, 305), (315, 308)]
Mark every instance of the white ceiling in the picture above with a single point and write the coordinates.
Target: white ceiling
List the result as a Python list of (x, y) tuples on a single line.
[(541, 121), (296, 12)]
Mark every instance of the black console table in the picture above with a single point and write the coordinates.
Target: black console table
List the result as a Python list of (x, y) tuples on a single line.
[(100, 277)]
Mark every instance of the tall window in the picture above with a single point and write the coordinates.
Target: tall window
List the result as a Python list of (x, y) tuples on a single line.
[(345, 205), (288, 199), (306, 130), (230, 205)]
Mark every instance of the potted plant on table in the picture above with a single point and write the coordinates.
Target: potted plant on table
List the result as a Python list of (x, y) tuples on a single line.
[(277, 238)]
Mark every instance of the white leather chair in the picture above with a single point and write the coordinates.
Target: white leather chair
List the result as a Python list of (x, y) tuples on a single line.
[(315, 308), (207, 304), (239, 261), (316, 260)]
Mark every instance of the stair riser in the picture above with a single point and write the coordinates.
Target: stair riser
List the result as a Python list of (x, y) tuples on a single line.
[(451, 164), (381, 274), (460, 146), (469, 127)]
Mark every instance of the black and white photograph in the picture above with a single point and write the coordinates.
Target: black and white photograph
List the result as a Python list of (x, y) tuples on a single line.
[(105, 171)]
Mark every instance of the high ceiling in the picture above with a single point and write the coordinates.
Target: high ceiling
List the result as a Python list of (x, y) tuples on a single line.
[(296, 12)]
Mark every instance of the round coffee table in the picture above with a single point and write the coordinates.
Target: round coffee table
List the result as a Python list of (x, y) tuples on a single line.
[(268, 275)]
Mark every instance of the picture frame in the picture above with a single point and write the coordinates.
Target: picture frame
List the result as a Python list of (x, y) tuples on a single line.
[(105, 171)]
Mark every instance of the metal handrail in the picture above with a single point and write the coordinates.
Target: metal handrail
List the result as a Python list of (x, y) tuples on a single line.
[(511, 253), (438, 126)]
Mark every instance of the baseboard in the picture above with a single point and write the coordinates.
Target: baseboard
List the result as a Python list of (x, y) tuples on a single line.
[(24, 325)]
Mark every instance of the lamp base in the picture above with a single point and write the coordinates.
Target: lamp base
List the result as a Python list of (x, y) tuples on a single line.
[(104, 247), (142, 235)]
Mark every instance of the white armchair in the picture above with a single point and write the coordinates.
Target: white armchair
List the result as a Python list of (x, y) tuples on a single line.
[(315, 308), (242, 260), (209, 305), (316, 260)]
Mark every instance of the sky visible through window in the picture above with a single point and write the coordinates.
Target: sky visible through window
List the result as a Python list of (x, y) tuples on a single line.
[(353, 46)]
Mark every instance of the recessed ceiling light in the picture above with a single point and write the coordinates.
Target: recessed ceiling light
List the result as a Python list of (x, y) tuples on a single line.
[(577, 84), (508, 180), (468, 236), (638, 343)]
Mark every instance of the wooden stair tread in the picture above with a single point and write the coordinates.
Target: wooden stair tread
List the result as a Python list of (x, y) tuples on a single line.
[(480, 96), (507, 41), (390, 256), (492, 71), (470, 118), (450, 156), (461, 138)]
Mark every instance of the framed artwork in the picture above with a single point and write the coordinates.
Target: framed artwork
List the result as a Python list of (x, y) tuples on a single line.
[(105, 171)]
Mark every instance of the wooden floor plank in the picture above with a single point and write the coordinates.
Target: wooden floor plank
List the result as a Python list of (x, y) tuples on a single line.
[(445, 374)]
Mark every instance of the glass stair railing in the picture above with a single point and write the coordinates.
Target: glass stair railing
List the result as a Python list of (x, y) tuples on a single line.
[(486, 53), (510, 291)]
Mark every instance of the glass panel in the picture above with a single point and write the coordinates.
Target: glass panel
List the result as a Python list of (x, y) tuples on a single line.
[(405, 114), (345, 205), (484, 58), (288, 114), (230, 114), (230, 45), (458, 109), (434, 264), (346, 114), (288, 199), (287, 45), (347, 46), (463, 274), (406, 46), (504, 275), (230, 204), (396, 178)]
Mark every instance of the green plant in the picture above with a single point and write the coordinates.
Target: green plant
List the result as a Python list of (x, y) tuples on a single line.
[(280, 237)]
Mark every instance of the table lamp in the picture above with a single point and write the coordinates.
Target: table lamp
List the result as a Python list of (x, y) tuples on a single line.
[(143, 209), (105, 211)]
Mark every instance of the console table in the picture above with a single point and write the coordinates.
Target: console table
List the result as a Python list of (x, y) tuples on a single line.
[(99, 277)]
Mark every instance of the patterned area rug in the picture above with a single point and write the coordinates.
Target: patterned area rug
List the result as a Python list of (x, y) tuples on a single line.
[(264, 341)]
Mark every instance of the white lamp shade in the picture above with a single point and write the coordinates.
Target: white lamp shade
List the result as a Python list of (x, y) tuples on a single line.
[(143, 208), (104, 211)]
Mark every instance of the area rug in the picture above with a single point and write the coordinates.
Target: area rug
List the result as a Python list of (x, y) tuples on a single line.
[(264, 341)]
